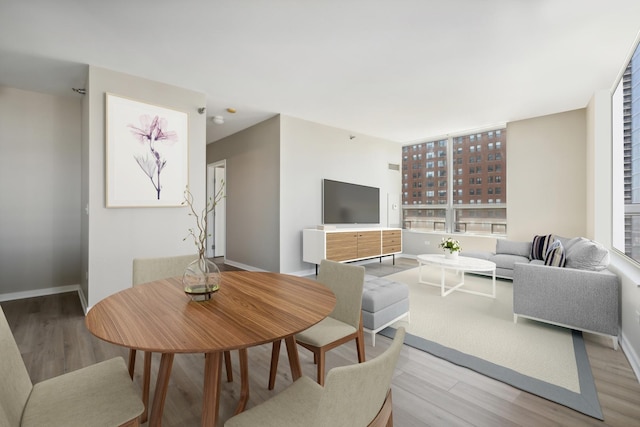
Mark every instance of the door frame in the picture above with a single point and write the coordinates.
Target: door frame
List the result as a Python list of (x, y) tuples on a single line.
[(217, 220)]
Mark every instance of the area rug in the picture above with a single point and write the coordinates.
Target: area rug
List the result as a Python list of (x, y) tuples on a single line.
[(478, 333)]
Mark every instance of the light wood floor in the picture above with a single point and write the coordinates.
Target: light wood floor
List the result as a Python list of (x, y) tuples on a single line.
[(427, 391)]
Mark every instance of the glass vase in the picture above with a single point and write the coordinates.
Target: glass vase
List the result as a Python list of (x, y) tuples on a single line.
[(201, 279)]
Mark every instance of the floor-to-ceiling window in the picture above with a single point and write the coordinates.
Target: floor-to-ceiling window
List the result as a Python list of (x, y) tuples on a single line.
[(456, 184), (626, 160)]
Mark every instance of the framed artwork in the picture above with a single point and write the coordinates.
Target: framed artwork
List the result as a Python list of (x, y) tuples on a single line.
[(147, 148)]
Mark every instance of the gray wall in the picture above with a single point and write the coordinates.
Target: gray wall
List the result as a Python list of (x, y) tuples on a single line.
[(115, 236), (547, 176), (252, 194), (40, 190)]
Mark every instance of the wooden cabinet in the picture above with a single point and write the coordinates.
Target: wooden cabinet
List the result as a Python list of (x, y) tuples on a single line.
[(342, 246), (350, 244), (391, 241), (368, 244)]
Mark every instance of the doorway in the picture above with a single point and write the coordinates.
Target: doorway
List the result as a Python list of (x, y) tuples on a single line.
[(217, 220)]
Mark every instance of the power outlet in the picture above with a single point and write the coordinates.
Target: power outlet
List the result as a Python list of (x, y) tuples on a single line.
[(427, 242)]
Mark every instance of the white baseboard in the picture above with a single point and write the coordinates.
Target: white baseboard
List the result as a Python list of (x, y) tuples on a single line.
[(41, 292), (83, 300), (242, 266), (632, 356)]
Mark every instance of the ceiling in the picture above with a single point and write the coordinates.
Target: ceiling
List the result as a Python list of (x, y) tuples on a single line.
[(399, 70)]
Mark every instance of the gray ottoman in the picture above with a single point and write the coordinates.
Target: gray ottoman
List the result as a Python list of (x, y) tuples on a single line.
[(384, 302)]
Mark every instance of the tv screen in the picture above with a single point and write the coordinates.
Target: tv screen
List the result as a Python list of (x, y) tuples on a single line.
[(345, 203)]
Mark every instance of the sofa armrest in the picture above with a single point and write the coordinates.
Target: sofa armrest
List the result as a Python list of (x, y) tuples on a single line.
[(583, 299)]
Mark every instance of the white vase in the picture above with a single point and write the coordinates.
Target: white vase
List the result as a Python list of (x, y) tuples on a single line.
[(451, 255), (201, 278)]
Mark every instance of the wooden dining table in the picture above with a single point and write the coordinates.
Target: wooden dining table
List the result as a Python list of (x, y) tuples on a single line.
[(251, 308)]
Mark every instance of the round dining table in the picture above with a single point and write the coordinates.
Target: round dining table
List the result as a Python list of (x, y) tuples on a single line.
[(251, 308)]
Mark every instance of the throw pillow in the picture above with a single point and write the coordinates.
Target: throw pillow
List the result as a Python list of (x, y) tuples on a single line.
[(587, 254), (540, 245), (555, 255)]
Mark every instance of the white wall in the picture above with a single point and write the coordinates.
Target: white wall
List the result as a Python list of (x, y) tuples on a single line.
[(40, 191), (310, 152), (116, 236)]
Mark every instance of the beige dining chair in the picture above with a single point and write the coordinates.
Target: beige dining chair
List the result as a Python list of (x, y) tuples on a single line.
[(147, 270), (100, 394), (342, 325), (357, 395)]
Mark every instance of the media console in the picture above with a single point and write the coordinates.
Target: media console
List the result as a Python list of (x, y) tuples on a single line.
[(350, 244)]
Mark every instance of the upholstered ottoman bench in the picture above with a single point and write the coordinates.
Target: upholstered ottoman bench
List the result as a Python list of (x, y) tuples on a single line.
[(384, 302)]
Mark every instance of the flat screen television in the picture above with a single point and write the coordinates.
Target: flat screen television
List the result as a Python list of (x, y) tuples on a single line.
[(345, 203)]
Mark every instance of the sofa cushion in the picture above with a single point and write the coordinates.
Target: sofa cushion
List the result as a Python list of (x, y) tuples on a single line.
[(586, 254), (480, 255), (555, 256), (513, 248), (508, 261), (540, 245)]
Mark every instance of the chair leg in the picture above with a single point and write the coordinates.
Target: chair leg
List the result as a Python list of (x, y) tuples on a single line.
[(132, 361), (146, 380), (227, 365), (320, 356), (360, 343), (275, 355)]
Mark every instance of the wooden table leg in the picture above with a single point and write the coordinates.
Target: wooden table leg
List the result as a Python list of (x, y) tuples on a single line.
[(211, 392), (294, 361), (244, 381), (162, 384), (146, 382)]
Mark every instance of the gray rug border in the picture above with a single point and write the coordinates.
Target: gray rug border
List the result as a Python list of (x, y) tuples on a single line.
[(586, 401)]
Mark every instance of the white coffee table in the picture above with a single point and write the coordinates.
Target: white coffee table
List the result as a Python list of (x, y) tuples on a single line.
[(459, 265)]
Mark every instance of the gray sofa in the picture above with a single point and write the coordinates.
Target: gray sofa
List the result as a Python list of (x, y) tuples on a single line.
[(508, 253), (583, 294)]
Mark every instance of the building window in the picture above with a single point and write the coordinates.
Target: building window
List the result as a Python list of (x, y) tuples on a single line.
[(459, 203)]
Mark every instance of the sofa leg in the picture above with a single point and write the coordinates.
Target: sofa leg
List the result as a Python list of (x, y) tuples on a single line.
[(615, 343), (515, 318)]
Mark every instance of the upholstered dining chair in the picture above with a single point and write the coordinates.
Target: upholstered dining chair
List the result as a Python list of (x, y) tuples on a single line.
[(147, 270), (342, 325), (357, 395), (100, 394)]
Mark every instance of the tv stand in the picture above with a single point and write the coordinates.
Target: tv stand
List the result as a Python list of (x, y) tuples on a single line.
[(350, 244)]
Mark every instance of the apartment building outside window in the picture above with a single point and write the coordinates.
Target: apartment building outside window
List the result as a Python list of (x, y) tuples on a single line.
[(626, 160), (475, 165)]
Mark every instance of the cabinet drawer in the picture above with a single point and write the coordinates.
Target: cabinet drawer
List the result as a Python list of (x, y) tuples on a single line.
[(391, 241), (391, 249)]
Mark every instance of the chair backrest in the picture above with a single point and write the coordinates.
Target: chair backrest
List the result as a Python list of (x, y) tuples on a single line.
[(150, 269), (354, 394), (346, 281), (15, 386)]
